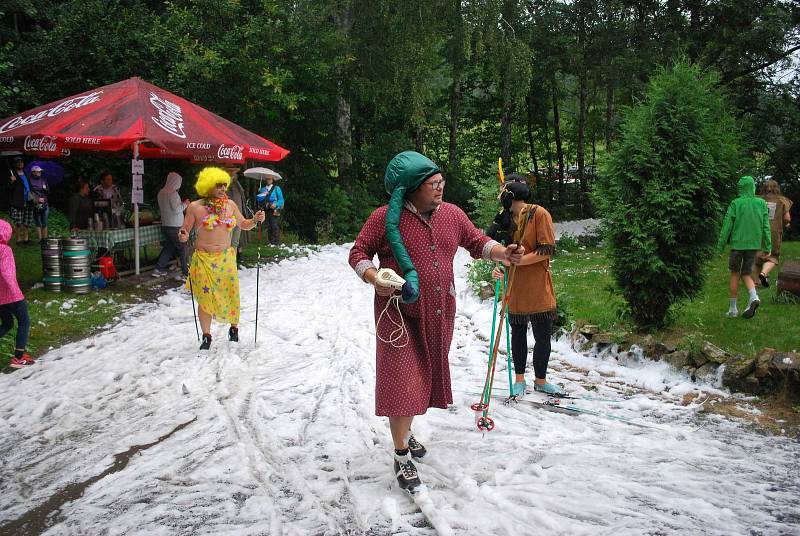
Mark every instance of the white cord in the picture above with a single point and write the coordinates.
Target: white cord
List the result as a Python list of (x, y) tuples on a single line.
[(400, 327)]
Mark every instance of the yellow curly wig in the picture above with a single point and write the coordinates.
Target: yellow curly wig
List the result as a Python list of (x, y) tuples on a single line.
[(209, 178)]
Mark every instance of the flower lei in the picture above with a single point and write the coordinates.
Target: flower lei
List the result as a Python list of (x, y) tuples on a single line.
[(217, 214)]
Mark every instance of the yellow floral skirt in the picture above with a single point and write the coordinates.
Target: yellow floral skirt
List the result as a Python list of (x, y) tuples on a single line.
[(214, 281)]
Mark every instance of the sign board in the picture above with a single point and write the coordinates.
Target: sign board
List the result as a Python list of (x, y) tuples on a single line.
[(137, 167), (137, 196), (137, 182)]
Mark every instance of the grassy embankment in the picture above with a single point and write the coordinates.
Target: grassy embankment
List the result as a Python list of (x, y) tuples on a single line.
[(582, 279)]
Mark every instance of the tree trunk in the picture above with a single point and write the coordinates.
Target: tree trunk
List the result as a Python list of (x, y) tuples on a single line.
[(549, 155), (344, 140), (531, 144), (583, 95), (557, 133), (505, 123), (458, 60), (609, 114)]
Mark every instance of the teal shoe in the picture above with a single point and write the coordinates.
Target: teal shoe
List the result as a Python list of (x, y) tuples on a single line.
[(519, 388), (548, 388)]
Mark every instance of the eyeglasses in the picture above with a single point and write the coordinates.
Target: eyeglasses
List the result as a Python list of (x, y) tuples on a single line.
[(437, 185)]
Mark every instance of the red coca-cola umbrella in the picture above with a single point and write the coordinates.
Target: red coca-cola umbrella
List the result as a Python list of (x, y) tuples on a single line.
[(133, 117), (133, 114)]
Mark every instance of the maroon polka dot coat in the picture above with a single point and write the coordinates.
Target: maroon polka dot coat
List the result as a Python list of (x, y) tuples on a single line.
[(411, 379)]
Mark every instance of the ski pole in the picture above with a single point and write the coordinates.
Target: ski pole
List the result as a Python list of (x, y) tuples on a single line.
[(194, 312), (508, 349)]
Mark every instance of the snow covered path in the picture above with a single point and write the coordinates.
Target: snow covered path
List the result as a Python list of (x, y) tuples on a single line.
[(282, 439)]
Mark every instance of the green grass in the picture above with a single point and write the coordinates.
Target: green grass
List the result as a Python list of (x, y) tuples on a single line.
[(582, 278)]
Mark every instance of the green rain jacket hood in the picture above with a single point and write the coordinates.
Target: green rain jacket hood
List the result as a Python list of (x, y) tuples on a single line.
[(405, 173), (746, 224)]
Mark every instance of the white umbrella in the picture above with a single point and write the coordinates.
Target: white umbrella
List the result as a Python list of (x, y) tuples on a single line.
[(262, 173)]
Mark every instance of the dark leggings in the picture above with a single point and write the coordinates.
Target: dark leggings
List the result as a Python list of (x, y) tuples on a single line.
[(19, 310), (541, 348)]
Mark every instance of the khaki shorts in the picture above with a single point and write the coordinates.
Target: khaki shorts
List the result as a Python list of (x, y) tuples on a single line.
[(741, 260)]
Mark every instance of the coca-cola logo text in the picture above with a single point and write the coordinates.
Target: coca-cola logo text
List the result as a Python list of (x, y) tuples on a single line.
[(60, 108), (45, 144), (170, 116), (234, 152)]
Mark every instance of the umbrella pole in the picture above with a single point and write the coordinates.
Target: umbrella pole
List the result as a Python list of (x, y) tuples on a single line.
[(258, 265)]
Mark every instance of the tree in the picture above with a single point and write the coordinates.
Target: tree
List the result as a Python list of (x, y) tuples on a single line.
[(662, 193)]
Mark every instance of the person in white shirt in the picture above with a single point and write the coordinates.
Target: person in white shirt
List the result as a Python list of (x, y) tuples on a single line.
[(172, 208)]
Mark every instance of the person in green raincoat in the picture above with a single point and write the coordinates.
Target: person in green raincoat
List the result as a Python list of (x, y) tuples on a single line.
[(746, 228)]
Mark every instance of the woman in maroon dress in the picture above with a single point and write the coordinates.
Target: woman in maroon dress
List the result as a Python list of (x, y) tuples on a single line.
[(412, 377)]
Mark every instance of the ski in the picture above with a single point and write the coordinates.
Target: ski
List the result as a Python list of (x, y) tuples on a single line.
[(571, 409)]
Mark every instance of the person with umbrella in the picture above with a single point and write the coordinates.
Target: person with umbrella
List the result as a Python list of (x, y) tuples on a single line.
[(213, 276), (270, 196)]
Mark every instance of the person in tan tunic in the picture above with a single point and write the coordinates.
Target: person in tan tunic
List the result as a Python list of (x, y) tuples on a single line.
[(213, 276), (779, 219), (532, 299)]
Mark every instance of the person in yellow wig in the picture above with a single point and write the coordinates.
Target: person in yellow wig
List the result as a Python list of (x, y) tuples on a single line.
[(213, 276)]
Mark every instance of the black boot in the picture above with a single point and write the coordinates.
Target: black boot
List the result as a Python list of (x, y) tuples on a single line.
[(416, 448), (206, 342), (406, 473), (233, 334)]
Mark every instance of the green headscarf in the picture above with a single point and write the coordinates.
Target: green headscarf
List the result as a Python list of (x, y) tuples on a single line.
[(405, 173)]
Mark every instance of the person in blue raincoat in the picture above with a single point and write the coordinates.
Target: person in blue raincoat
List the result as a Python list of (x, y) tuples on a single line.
[(271, 197)]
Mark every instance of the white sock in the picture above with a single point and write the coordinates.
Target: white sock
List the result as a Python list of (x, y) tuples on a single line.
[(753, 294), (732, 306)]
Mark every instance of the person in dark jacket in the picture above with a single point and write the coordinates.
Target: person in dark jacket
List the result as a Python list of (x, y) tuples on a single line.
[(22, 207), (79, 209), (41, 209)]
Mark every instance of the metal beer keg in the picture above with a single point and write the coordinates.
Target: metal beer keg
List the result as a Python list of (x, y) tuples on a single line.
[(76, 265), (51, 265)]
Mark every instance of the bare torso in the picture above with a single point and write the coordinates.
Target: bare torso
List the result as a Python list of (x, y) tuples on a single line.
[(219, 237)]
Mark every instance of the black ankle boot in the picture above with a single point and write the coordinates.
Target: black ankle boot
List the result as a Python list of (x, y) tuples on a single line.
[(406, 473), (233, 334), (206, 342)]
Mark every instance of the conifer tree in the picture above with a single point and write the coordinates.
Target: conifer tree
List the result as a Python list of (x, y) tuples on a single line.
[(663, 191)]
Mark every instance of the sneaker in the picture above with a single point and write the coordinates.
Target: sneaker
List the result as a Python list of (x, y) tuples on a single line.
[(751, 309), (233, 334), (206, 342), (158, 273), (732, 313), (764, 280), (518, 388), (416, 448), (20, 362), (406, 474), (548, 388)]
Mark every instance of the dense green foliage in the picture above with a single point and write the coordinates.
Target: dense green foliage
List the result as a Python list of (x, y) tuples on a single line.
[(345, 84), (663, 190)]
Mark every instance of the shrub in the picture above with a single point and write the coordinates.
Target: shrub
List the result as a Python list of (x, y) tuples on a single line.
[(480, 271), (663, 190)]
